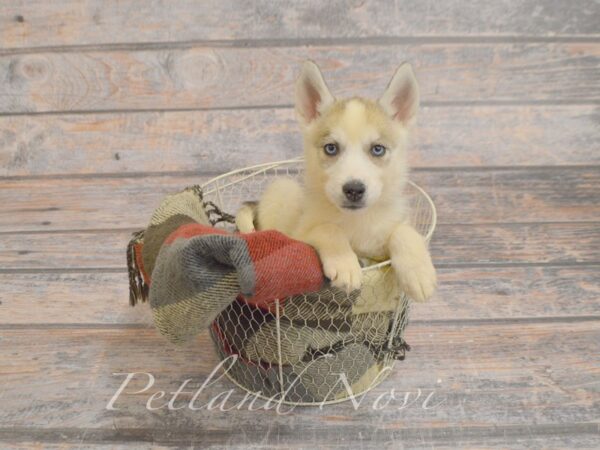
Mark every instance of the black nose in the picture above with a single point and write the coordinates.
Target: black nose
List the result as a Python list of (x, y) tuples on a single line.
[(354, 190)]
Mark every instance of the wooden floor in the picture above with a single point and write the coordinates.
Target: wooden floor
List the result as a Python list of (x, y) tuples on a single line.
[(106, 106)]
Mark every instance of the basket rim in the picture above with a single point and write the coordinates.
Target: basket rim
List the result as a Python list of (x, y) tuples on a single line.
[(258, 168), (380, 380)]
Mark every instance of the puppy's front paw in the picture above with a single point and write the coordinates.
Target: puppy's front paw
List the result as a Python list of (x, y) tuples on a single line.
[(344, 271), (416, 276)]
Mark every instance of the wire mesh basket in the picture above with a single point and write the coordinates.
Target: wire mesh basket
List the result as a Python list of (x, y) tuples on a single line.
[(320, 347)]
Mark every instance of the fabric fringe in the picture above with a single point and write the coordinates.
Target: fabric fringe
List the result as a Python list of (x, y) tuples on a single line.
[(138, 289)]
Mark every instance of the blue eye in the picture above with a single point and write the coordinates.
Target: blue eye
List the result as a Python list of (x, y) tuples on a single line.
[(378, 150), (330, 149)]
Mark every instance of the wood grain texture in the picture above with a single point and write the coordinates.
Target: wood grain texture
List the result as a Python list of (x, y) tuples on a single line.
[(461, 196), (518, 437), (63, 378), (78, 439), (73, 298), (465, 293), (217, 77), (534, 243), (517, 243), (64, 250), (219, 141), (67, 22)]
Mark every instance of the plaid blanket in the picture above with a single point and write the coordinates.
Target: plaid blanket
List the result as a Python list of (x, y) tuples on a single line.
[(264, 298)]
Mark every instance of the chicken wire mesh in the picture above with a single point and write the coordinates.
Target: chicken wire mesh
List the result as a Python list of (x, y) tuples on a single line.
[(320, 347)]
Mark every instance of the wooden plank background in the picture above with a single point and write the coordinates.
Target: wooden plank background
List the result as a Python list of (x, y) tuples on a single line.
[(38, 23), (106, 106), (218, 141), (218, 77)]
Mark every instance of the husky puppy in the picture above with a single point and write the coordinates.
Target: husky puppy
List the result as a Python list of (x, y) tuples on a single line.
[(351, 204)]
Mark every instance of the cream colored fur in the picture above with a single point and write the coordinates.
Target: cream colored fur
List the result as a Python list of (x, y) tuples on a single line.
[(318, 213)]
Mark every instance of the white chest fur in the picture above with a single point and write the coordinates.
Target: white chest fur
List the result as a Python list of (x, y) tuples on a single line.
[(369, 234)]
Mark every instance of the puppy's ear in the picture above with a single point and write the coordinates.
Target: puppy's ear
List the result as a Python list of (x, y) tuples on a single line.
[(312, 94), (401, 98)]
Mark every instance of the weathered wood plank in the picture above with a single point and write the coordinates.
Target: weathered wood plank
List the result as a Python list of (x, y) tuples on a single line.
[(461, 196), (219, 141), (80, 298), (519, 437), (518, 243), (215, 77), (489, 376), (464, 294), (535, 243), (69, 250), (77, 439), (67, 22), (73, 202)]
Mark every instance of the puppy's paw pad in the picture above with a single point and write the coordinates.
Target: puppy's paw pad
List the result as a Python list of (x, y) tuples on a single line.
[(417, 287), (418, 281), (344, 272)]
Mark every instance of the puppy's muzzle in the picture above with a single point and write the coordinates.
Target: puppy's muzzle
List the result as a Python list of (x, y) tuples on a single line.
[(354, 191)]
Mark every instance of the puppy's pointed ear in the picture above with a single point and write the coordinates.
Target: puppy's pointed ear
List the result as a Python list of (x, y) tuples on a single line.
[(401, 98), (312, 94)]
